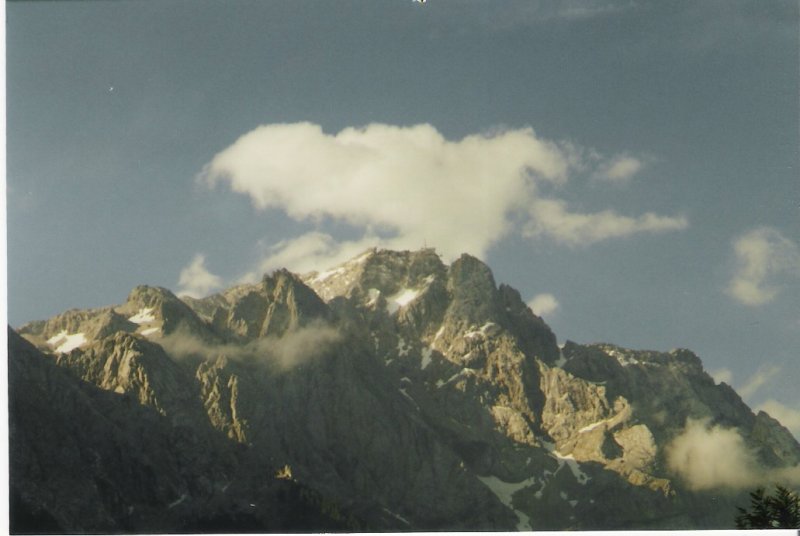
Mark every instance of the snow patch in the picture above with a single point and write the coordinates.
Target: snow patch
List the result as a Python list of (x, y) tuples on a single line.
[(408, 396), (327, 274), (437, 336), (361, 259), (397, 516), (462, 372), (590, 427), (621, 358), (570, 461), (505, 492), (373, 294), (401, 299), (144, 315), (438, 333), (402, 347), (150, 331), (65, 342), (426, 358), (479, 332)]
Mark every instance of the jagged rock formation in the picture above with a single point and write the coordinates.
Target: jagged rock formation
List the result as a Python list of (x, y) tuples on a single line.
[(392, 392)]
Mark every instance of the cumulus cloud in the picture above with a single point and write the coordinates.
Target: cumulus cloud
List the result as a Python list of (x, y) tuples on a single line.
[(543, 304), (763, 256), (403, 187), (758, 380), (293, 348), (196, 281), (789, 417), (708, 457)]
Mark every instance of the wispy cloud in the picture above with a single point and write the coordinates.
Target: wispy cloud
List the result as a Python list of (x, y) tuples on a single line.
[(195, 280), (552, 218), (544, 304), (788, 416), (722, 375), (620, 170), (407, 186), (763, 257), (295, 347), (532, 12), (763, 375)]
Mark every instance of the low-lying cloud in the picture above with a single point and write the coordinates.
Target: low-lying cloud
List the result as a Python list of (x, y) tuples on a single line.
[(543, 304), (710, 457), (763, 257), (293, 348), (403, 187)]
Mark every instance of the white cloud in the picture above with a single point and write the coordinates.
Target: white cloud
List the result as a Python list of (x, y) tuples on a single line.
[(709, 457), (722, 375), (758, 380), (315, 250), (789, 417), (763, 255), (551, 218), (543, 304), (407, 186), (620, 169), (508, 15), (196, 281), (294, 347)]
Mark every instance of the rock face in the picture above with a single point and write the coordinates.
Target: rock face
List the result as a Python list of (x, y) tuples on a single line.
[(393, 392)]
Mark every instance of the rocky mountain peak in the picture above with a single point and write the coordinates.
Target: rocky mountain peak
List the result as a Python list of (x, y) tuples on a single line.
[(160, 312), (412, 394), (281, 302)]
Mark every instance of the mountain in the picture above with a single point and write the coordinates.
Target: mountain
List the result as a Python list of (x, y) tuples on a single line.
[(391, 393)]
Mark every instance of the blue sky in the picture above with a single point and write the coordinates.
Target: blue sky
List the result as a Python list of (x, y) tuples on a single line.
[(631, 167)]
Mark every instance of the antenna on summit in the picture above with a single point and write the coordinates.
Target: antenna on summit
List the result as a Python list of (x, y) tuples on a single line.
[(419, 1)]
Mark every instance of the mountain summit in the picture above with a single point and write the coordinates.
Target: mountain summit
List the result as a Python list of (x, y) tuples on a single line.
[(393, 392)]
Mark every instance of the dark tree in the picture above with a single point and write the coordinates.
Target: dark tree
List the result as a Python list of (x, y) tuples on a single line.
[(778, 511)]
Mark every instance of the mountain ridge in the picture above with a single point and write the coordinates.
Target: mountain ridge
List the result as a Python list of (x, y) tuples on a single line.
[(415, 395)]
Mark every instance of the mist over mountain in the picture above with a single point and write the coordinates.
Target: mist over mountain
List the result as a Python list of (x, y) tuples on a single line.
[(393, 392)]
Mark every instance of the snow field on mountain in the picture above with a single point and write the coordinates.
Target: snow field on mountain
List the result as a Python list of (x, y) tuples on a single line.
[(505, 492), (401, 299), (143, 316), (65, 343)]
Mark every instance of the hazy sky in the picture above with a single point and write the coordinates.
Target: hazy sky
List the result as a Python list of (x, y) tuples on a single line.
[(631, 167)]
